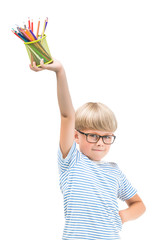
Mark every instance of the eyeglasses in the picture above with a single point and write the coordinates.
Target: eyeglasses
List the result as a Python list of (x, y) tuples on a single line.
[(94, 138)]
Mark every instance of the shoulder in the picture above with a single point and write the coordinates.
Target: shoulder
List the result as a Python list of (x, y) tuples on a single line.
[(114, 168), (113, 164), (71, 153)]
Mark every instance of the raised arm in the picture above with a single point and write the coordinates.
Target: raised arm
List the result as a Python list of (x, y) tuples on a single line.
[(65, 105), (67, 113)]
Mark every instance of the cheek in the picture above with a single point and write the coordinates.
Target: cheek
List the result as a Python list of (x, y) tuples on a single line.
[(108, 148), (84, 147)]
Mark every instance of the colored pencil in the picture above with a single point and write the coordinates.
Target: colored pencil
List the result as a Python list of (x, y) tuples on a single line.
[(25, 35), (18, 28), (17, 35), (42, 50), (20, 36), (24, 25), (29, 23), (36, 49), (25, 40), (33, 35), (38, 28), (46, 23), (43, 29), (32, 25), (29, 35)]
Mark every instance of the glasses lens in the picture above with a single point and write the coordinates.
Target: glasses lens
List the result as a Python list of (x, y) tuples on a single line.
[(108, 139), (92, 138)]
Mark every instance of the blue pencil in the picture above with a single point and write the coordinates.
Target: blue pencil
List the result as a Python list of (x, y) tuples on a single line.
[(22, 37), (32, 34), (46, 23)]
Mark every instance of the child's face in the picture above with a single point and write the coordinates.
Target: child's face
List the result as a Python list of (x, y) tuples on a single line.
[(94, 151)]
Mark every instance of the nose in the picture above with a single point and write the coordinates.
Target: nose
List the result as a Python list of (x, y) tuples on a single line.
[(100, 141)]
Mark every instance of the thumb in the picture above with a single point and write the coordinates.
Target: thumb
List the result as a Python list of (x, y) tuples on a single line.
[(44, 66)]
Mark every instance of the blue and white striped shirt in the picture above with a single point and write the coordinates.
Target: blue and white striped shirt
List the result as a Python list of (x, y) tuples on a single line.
[(90, 193)]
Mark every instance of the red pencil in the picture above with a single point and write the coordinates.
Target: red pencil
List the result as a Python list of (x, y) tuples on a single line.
[(32, 25), (17, 35), (29, 27)]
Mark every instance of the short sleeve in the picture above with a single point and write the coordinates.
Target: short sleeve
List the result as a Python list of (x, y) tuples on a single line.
[(69, 161), (125, 190)]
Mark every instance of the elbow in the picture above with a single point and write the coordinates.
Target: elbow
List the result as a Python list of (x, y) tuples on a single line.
[(144, 207)]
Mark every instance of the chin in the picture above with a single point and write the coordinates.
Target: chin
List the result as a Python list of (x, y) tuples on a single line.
[(93, 158), (96, 159)]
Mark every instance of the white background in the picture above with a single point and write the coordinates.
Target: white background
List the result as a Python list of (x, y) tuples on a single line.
[(111, 53)]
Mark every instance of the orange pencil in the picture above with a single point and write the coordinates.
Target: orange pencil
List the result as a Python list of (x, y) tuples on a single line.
[(29, 35), (38, 28)]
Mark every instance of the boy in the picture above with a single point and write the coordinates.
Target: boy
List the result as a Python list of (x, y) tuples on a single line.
[(89, 185)]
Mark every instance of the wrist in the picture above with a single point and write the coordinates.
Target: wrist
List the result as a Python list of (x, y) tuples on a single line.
[(59, 70), (123, 215)]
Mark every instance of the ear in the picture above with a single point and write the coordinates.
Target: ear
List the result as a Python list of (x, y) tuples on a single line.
[(76, 136)]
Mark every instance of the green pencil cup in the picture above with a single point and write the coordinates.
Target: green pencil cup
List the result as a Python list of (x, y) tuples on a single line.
[(37, 50)]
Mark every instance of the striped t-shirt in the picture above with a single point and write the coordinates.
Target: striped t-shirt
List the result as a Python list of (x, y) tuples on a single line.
[(90, 193)]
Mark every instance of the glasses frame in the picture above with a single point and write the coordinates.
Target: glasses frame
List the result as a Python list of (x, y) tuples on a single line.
[(99, 136)]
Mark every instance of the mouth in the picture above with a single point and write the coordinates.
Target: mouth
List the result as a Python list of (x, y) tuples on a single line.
[(98, 150)]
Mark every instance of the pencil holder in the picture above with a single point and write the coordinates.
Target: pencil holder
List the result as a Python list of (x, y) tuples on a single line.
[(37, 50)]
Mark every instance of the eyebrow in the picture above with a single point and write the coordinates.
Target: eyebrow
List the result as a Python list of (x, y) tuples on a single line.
[(108, 134)]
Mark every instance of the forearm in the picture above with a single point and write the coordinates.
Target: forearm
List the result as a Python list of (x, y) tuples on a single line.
[(132, 212), (64, 98)]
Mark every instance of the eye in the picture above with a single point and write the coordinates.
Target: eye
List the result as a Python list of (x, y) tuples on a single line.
[(93, 136), (108, 137)]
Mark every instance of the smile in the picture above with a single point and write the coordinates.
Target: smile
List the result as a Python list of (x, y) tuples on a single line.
[(98, 150)]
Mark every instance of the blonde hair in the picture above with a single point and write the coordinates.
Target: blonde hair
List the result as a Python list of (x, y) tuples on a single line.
[(96, 116)]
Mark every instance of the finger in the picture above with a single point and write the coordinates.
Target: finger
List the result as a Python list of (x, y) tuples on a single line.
[(35, 68), (42, 63), (32, 67), (43, 66)]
